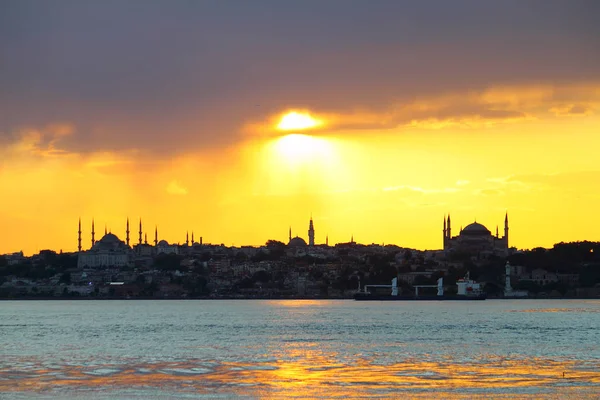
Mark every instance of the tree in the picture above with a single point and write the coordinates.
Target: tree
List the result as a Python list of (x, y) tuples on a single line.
[(65, 278), (276, 249), (261, 276)]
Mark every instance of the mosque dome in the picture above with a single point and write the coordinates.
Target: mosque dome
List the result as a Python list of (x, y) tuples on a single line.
[(109, 238), (163, 243), (297, 242), (110, 242), (475, 229)]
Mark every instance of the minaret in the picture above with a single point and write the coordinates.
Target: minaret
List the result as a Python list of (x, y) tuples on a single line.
[(127, 232), (105, 230), (497, 234), (140, 232), (506, 229), (79, 236), (192, 238), (187, 239), (448, 228), (290, 233), (444, 242), (93, 234), (311, 233), (327, 240), (145, 238), (156, 236)]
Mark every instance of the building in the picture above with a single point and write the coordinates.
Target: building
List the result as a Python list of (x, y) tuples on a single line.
[(109, 251), (475, 239), (298, 242), (163, 247)]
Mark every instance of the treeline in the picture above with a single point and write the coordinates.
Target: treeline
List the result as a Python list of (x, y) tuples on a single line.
[(581, 258), (48, 264)]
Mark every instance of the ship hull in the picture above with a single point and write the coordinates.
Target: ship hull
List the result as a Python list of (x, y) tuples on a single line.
[(377, 297)]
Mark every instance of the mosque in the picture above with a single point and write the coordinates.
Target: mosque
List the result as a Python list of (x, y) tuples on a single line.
[(110, 251), (297, 241), (475, 239)]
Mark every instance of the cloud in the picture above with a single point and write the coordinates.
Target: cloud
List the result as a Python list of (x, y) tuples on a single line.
[(460, 110), (572, 110), (175, 188), (354, 60), (42, 142), (511, 182)]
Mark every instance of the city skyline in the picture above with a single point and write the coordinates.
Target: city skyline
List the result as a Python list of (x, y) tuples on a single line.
[(238, 120), (134, 234)]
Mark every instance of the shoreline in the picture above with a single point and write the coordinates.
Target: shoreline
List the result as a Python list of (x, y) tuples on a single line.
[(29, 298)]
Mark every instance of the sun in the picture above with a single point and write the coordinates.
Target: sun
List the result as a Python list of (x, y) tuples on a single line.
[(298, 147), (298, 121)]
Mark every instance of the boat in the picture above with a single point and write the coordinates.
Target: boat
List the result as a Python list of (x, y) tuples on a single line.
[(467, 289)]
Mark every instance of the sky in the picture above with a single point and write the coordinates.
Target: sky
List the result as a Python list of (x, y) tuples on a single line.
[(171, 111)]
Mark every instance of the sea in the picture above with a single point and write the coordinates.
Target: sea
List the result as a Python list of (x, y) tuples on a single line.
[(299, 349)]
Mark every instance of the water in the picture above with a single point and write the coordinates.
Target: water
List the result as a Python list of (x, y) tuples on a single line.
[(299, 349)]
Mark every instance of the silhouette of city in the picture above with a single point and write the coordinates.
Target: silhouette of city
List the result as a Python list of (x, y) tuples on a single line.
[(113, 268)]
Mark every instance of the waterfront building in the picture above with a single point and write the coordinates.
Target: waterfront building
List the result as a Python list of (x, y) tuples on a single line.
[(475, 239)]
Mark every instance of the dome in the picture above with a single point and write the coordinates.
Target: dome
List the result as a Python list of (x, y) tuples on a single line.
[(297, 242), (163, 243), (110, 242), (475, 229), (109, 238)]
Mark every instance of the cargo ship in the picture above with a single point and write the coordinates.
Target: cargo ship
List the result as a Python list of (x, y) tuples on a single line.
[(467, 289)]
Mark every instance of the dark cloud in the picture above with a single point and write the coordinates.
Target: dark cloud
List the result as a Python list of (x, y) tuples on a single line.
[(171, 74)]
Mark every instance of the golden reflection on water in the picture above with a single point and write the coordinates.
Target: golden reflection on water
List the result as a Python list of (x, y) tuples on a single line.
[(299, 303), (311, 373)]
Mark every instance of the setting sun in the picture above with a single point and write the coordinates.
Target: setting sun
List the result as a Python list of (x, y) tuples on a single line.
[(298, 147), (298, 121)]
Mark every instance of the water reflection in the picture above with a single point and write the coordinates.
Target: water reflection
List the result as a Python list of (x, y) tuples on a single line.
[(311, 373), (301, 349)]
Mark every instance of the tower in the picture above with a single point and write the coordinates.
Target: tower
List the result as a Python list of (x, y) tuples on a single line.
[(507, 287), (327, 240), (79, 237), (187, 239), (127, 233), (290, 233), (105, 230), (156, 236), (145, 238), (192, 238), (311, 233), (444, 242), (448, 229), (93, 234), (506, 229), (140, 232), (497, 234)]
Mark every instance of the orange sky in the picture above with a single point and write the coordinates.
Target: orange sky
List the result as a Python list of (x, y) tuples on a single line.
[(169, 112), (383, 177)]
